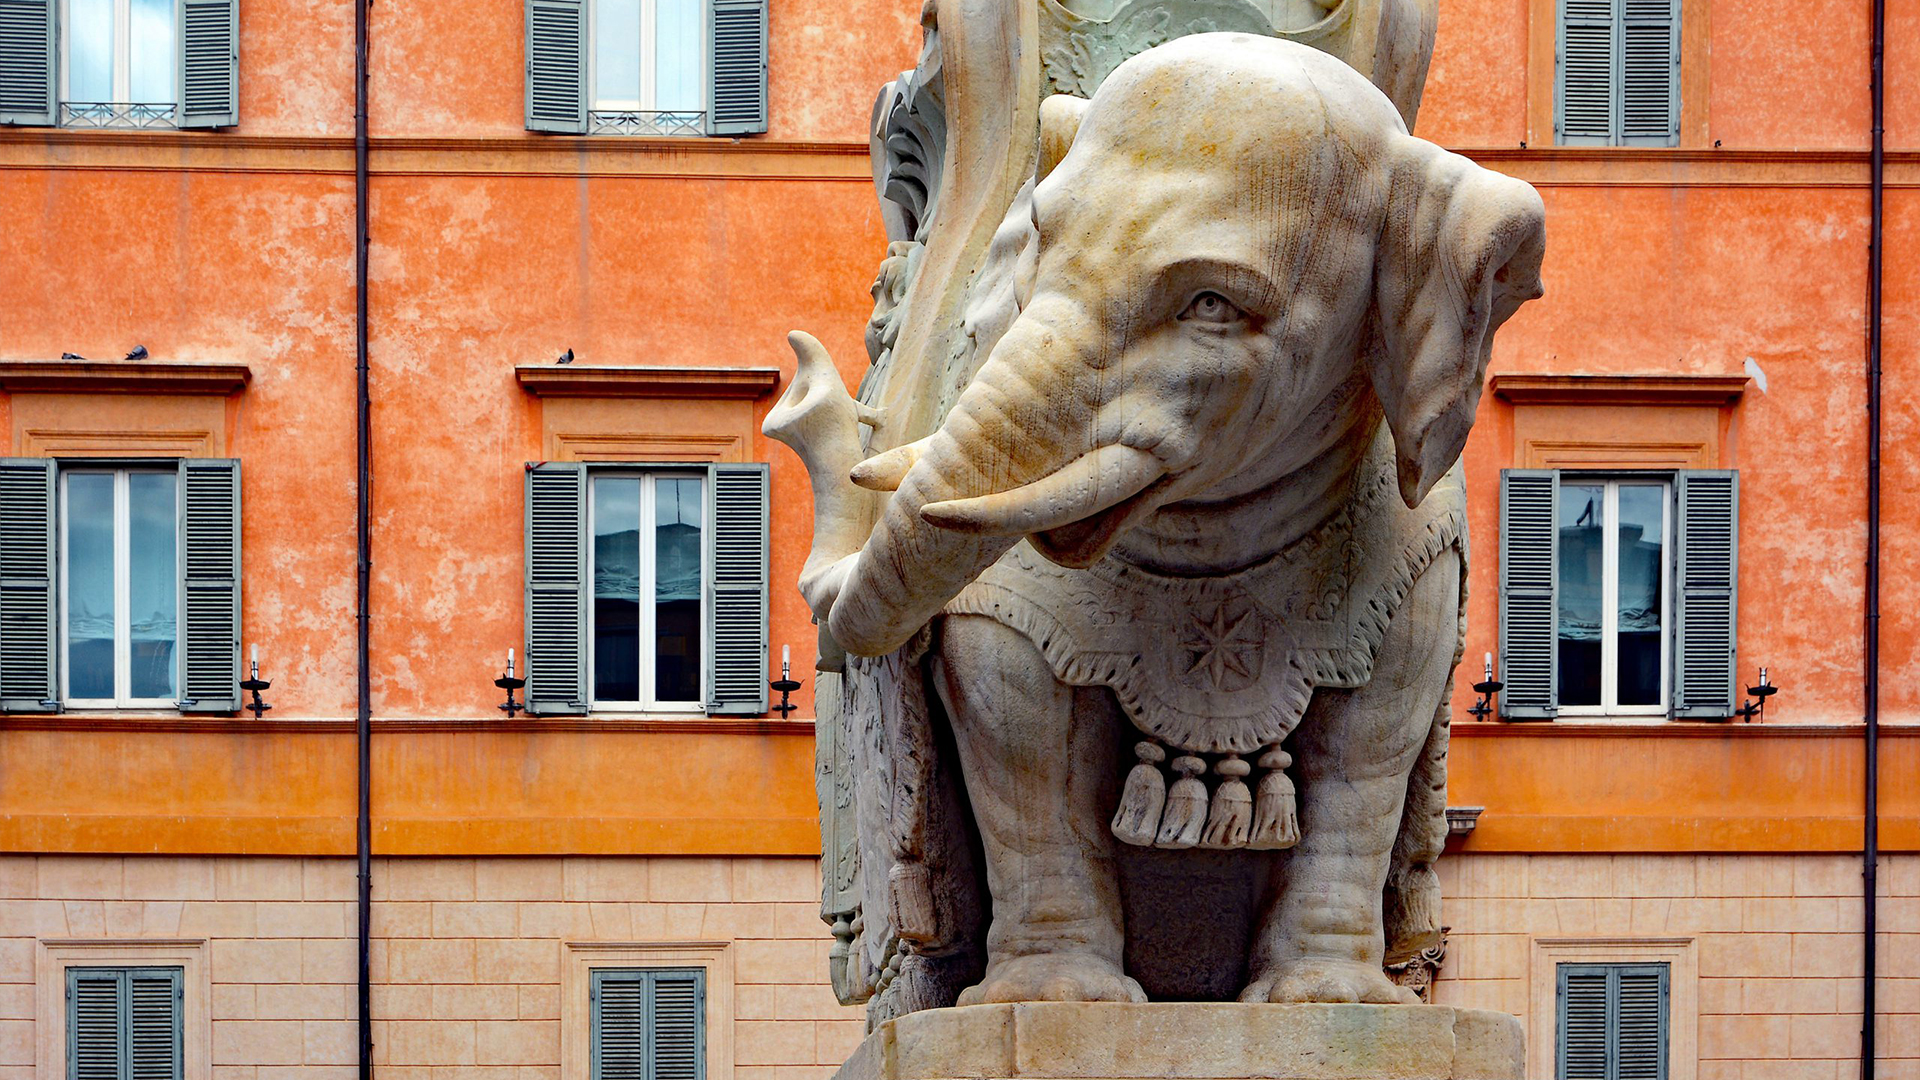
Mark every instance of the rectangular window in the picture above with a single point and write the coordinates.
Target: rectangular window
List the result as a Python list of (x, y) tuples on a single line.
[(649, 1023), (1612, 621), (1612, 1022), (120, 62), (1617, 73), (649, 577), (124, 1023), (646, 67), (1617, 593), (120, 587)]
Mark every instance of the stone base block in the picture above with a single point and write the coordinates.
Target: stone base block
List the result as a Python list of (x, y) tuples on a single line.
[(1192, 1040)]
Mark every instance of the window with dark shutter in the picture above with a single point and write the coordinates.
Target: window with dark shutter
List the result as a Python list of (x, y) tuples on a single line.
[(1612, 1022), (26, 61), (556, 47), (1617, 593), (647, 588), (209, 63), (210, 584), (648, 1023), (27, 652), (1617, 75), (737, 68), (124, 1023)]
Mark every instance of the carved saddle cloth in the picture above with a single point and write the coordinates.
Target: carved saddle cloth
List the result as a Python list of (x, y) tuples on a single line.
[(1228, 664)]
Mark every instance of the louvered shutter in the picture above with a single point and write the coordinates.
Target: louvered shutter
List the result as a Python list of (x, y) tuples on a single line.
[(557, 66), (210, 585), (1612, 1022), (679, 1025), (648, 1024), (1706, 578), (125, 1024), (26, 61), (557, 589), (737, 597), (26, 585), (1583, 99), (1617, 79), (154, 1024), (209, 63), (1649, 72), (737, 67), (1529, 592)]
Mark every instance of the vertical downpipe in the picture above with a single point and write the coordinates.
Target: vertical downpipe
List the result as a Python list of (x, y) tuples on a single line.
[(1870, 848), (363, 511)]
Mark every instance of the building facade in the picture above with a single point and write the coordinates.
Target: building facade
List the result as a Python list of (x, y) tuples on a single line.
[(632, 869)]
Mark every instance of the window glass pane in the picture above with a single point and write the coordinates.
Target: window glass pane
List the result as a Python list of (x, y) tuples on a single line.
[(677, 552), (90, 612), (677, 49), (616, 54), (153, 590), (151, 75), (616, 588), (89, 34), (1582, 509), (1642, 555)]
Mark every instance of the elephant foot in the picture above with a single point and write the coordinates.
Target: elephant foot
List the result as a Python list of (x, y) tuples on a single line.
[(1052, 977), (1327, 980)]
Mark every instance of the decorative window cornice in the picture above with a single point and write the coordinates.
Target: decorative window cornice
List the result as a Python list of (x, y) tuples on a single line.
[(123, 376), (646, 381), (1587, 389)]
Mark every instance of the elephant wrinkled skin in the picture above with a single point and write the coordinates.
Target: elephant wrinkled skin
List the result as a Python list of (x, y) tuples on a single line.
[(1204, 487)]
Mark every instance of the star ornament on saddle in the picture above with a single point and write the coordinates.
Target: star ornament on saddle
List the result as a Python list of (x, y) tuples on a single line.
[(1226, 649)]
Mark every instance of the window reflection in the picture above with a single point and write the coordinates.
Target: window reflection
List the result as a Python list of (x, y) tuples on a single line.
[(90, 591), (616, 588), (90, 48), (677, 556), (152, 588), (1642, 557), (1582, 584)]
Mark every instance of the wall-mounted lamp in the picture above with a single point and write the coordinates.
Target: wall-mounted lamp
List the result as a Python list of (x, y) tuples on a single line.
[(509, 683), (1486, 688), (253, 684), (786, 683), (1757, 706)]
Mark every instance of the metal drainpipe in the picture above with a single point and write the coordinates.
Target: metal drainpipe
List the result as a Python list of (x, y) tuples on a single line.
[(363, 719), (1870, 849)]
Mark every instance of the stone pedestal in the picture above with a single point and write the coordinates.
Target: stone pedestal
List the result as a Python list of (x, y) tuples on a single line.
[(1182, 1040)]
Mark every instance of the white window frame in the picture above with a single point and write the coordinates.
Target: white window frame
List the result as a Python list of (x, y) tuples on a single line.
[(648, 50), (122, 590), (648, 607), (122, 54), (1610, 596)]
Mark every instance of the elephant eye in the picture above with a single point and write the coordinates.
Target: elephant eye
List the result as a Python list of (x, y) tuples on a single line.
[(1211, 307)]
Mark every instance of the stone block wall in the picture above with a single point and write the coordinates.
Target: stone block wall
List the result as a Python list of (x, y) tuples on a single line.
[(1775, 939), (467, 955)]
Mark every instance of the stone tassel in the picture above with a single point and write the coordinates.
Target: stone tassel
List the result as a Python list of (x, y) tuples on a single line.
[(1186, 811), (1276, 823), (1232, 806), (1137, 821), (910, 891)]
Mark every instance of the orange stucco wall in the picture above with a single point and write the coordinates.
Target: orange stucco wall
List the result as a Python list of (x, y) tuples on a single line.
[(493, 247)]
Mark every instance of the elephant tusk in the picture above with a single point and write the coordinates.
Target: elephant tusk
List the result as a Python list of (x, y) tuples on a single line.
[(1090, 484), (883, 472)]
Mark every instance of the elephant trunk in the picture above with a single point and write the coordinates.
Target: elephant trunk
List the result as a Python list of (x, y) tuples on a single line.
[(1015, 456)]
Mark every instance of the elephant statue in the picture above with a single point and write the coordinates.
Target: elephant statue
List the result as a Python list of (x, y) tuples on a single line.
[(1182, 566)]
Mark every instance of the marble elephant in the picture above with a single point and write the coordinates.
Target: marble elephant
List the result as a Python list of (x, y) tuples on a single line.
[(1201, 497)]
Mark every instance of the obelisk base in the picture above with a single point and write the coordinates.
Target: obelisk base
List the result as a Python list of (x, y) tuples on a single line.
[(1181, 1040)]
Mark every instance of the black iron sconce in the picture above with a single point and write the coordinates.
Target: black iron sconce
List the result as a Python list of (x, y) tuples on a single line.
[(1758, 705), (509, 683), (253, 684), (1486, 688), (786, 683)]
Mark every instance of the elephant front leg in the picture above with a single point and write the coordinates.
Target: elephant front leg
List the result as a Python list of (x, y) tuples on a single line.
[(1320, 937), (1031, 769)]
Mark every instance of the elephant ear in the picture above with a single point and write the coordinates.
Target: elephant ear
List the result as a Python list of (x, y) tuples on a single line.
[(1460, 251)]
